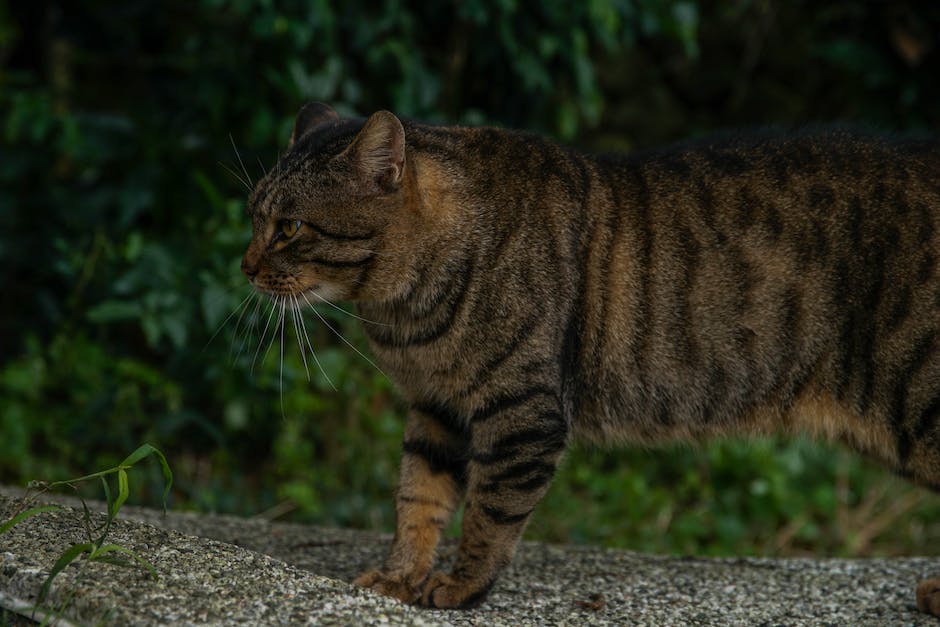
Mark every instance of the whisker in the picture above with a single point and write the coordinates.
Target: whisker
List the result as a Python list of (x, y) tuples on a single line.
[(313, 353), (293, 311), (236, 175), (229, 317), (263, 334), (281, 377), (264, 170), (249, 329), (238, 322), (280, 321), (340, 335), (349, 313), (240, 162)]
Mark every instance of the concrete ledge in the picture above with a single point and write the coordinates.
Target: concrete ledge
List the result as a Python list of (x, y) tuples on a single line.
[(223, 569)]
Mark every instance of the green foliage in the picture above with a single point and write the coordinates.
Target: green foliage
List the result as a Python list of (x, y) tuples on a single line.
[(761, 497), (95, 549), (122, 226)]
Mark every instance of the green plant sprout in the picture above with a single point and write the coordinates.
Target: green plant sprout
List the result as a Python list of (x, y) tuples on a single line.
[(96, 548)]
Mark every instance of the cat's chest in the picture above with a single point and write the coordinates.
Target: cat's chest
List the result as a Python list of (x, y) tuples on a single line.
[(423, 372)]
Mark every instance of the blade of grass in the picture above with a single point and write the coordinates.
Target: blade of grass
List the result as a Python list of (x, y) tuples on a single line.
[(100, 554), (142, 451), (107, 491), (167, 474), (148, 449), (107, 523), (64, 560), (26, 514), (71, 482), (123, 492), (86, 518)]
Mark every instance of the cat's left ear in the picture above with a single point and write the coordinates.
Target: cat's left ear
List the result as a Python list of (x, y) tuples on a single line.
[(310, 116), (378, 151)]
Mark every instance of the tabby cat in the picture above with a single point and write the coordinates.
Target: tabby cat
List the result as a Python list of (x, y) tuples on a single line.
[(523, 293)]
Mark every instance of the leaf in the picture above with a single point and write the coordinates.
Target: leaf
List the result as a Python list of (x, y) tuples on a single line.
[(33, 511), (107, 524), (100, 555), (139, 453), (121, 469), (148, 449), (167, 477), (64, 560), (107, 492), (123, 492)]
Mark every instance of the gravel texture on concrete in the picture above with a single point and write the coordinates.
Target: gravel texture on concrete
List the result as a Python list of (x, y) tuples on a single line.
[(228, 570)]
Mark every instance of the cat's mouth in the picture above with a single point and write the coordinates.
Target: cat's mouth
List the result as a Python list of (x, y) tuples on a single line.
[(317, 291)]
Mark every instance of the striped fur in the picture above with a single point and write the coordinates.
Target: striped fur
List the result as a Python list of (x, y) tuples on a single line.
[(528, 293)]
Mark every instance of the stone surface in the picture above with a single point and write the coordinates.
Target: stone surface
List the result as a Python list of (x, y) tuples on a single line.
[(222, 569)]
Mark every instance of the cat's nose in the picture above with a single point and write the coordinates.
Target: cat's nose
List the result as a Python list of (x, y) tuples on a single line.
[(250, 269)]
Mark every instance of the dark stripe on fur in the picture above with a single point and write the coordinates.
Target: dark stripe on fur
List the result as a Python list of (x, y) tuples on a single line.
[(502, 517), (512, 401), (928, 418), (521, 469), (919, 356), (491, 366), (452, 301), (533, 483), (443, 416), (551, 437), (440, 458), (334, 263), (346, 237), (572, 343)]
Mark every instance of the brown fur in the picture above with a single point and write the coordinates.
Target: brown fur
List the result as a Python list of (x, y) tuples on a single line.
[(525, 292)]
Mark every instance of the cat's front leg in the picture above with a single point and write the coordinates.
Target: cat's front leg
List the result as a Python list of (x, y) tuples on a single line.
[(515, 452), (431, 482)]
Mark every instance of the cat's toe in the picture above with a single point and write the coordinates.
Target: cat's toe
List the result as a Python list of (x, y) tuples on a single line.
[(393, 585), (448, 592), (928, 596)]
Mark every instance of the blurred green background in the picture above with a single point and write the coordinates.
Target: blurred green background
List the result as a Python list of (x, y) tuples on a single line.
[(122, 226)]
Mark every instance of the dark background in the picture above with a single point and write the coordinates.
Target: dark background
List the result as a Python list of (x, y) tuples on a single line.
[(122, 224)]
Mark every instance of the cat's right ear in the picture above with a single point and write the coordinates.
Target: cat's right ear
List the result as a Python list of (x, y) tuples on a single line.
[(378, 152), (310, 116)]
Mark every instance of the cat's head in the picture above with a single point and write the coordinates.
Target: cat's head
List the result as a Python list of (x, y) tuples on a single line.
[(319, 217)]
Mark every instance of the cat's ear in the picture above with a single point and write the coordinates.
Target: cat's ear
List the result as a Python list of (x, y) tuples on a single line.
[(310, 116), (378, 151)]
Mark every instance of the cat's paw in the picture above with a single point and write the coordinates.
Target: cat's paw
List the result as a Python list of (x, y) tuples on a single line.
[(391, 584), (928, 596), (448, 592)]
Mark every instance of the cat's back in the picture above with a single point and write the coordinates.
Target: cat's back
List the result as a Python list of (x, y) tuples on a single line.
[(747, 270), (778, 162)]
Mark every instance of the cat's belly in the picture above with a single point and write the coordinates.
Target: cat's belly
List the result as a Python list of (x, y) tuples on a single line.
[(681, 401)]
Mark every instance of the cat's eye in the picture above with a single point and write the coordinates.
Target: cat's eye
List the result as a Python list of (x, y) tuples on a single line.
[(289, 228)]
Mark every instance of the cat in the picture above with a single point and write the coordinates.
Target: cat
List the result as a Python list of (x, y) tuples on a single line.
[(523, 294)]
